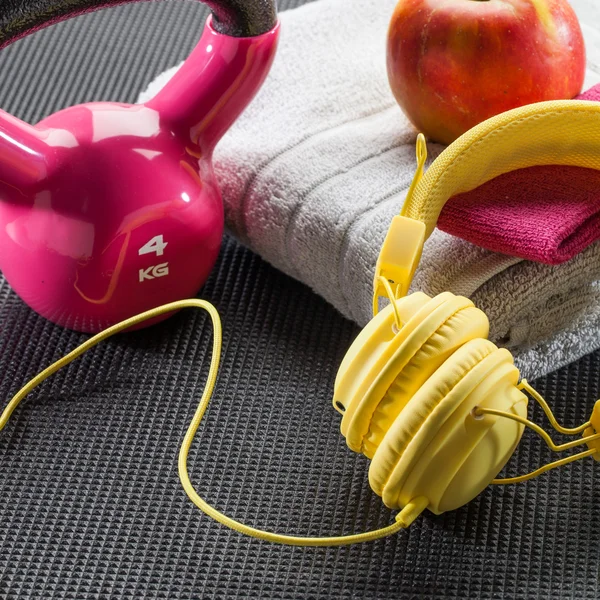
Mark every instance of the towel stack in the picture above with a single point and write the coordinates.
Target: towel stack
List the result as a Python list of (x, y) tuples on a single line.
[(316, 168)]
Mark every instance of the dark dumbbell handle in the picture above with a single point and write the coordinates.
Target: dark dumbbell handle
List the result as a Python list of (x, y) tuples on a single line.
[(238, 18)]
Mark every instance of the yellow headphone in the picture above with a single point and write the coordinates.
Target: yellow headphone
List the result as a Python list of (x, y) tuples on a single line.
[(437, 407)]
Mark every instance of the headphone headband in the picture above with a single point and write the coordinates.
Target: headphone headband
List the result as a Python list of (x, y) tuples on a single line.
[(237, 18), (560, 132)]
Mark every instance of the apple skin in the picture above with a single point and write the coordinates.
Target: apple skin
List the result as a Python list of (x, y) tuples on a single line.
[(454, 63)]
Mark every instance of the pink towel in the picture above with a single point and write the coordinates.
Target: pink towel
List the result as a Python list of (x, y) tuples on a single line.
[(546, 214)]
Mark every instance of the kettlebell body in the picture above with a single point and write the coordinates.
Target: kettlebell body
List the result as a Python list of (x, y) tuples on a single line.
[(110, 209), (116, 224)]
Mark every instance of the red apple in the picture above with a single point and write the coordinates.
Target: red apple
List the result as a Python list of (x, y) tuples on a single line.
[(455, 63)]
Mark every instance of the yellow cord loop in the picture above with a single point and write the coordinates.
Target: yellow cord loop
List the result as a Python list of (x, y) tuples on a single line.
[(543, 434), (421, 150), (544, 469), (410, 512), (524, 385), (392, 297)]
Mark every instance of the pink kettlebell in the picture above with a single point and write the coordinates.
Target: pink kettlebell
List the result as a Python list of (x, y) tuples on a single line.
[(110, 209)]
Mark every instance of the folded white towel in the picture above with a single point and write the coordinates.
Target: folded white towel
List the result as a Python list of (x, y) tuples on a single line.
[(316, 168)]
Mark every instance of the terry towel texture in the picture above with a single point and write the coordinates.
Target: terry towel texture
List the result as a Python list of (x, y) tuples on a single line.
[(319, 164)]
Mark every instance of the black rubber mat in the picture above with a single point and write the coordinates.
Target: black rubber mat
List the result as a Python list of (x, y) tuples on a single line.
[(90, 501)]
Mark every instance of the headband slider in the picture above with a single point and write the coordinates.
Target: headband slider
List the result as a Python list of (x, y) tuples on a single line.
[(400, 255)]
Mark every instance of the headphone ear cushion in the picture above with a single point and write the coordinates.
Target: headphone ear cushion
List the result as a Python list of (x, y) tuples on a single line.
[(475, 374), (427, 339), (466, 324), (420, 407)]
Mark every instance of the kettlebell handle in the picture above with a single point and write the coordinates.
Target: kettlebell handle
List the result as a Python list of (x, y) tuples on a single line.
[(236, 18)]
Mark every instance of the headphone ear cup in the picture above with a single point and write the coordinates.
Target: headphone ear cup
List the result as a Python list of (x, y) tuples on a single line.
[(436, 448), (387, 368)]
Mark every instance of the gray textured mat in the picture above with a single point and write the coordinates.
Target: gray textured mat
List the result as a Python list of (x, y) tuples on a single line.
[(90, 502)]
